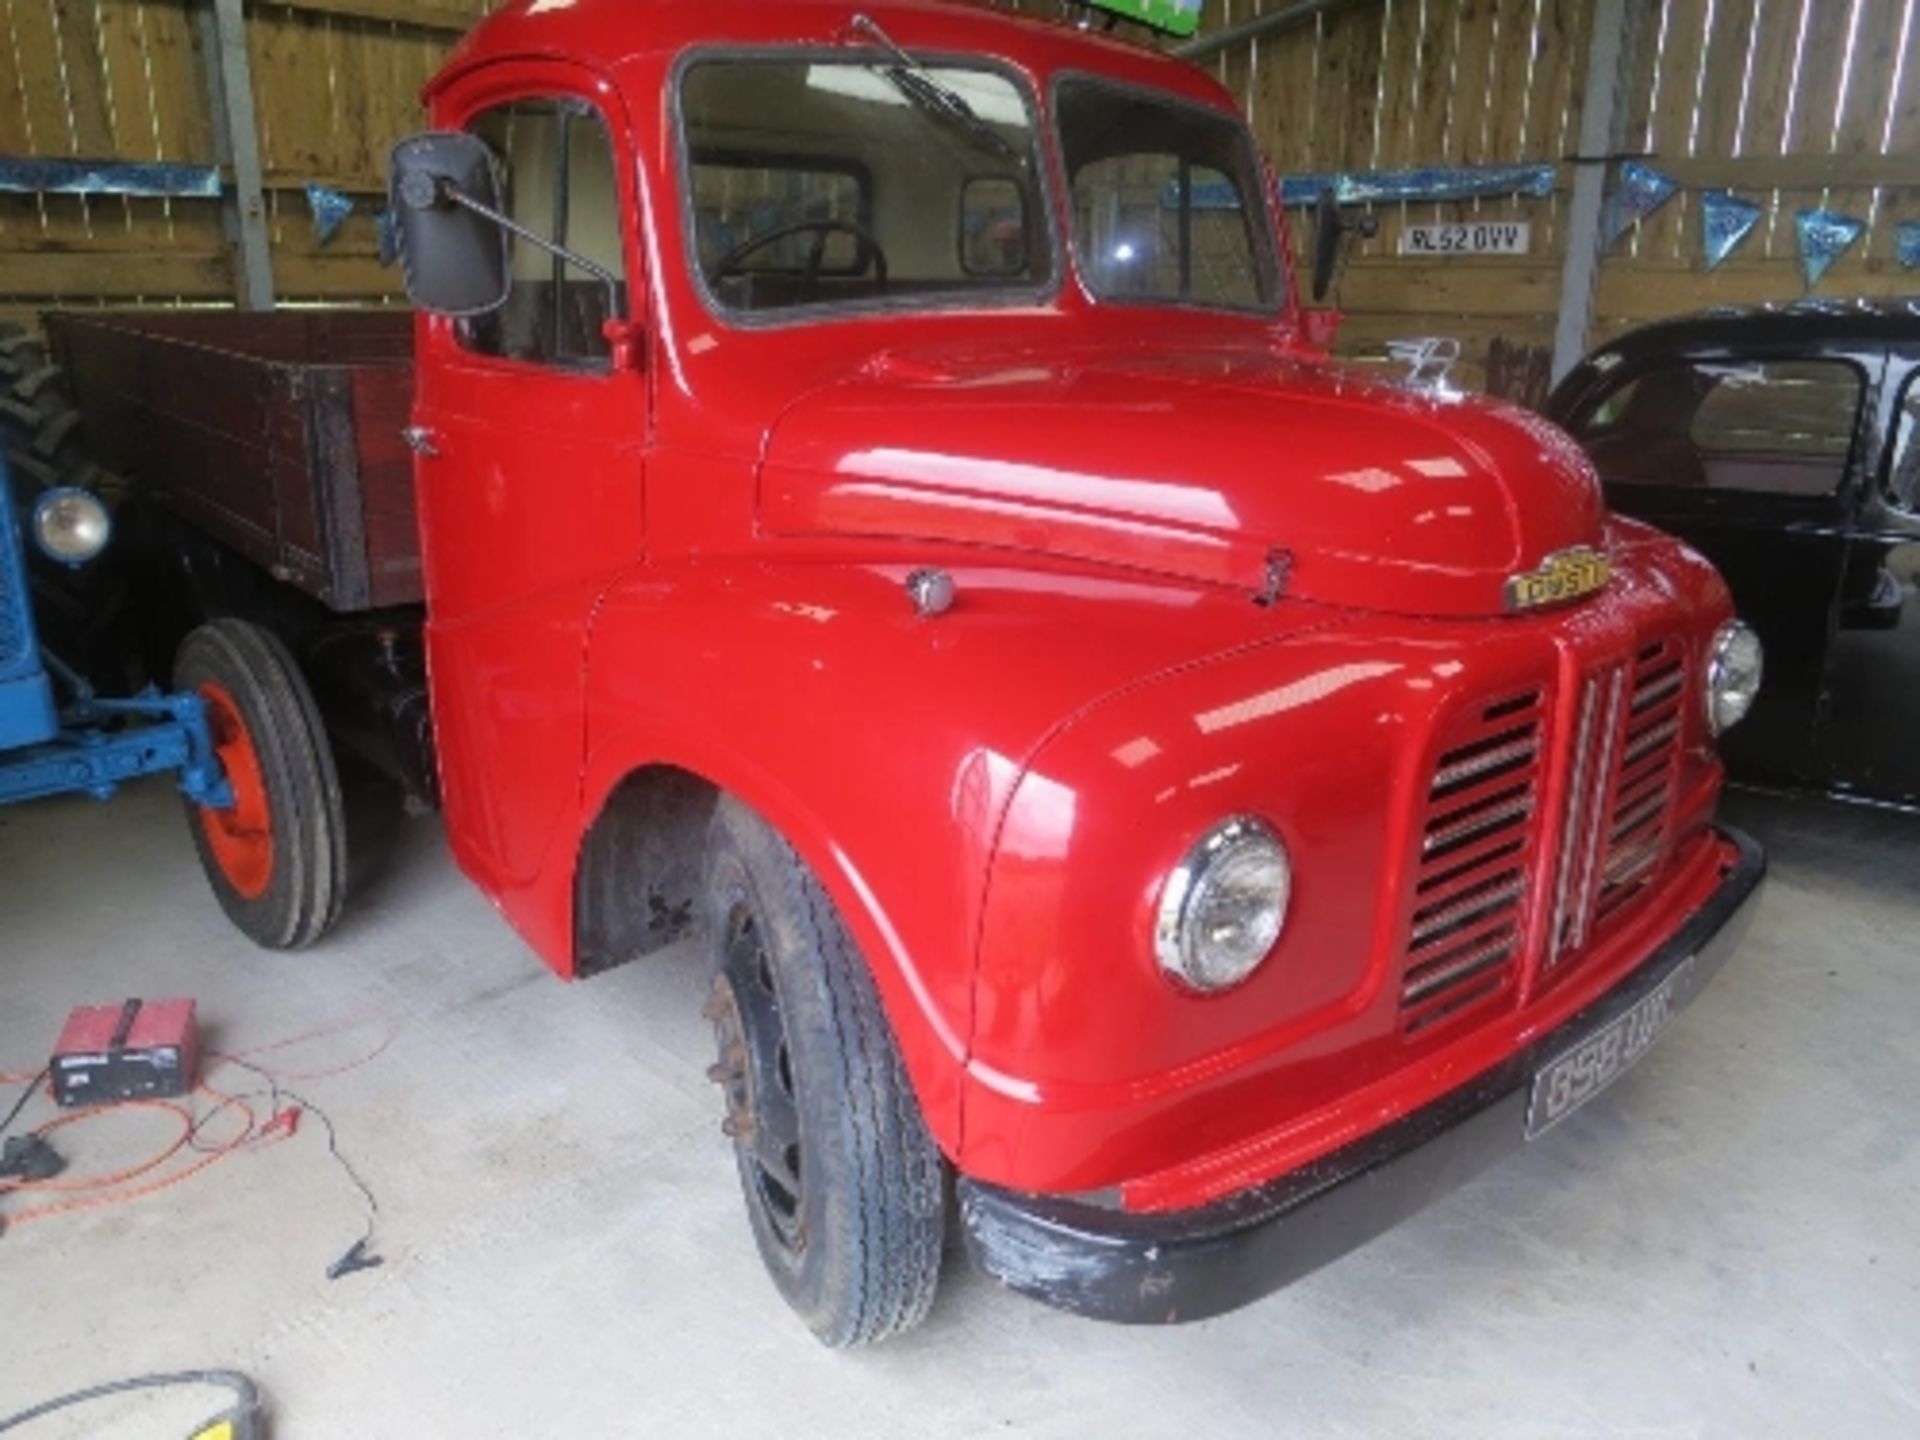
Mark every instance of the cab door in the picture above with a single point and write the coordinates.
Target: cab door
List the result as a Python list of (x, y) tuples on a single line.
[(1871, 740), (529, 476), (1746, 455)]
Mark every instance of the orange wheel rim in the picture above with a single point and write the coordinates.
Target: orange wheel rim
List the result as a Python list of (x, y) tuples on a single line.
[(239, 837)]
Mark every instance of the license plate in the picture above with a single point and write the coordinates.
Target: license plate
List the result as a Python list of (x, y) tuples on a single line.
[(1484, 237), (1583, 1070)]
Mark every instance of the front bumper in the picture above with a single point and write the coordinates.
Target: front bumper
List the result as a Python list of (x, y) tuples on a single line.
[(1146, 1269)]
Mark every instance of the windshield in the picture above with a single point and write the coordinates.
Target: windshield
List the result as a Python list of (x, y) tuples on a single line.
[(1167, 203), (817, 181)]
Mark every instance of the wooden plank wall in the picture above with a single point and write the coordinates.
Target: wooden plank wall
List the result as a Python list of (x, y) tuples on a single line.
[(1790, 103), (336, 82)]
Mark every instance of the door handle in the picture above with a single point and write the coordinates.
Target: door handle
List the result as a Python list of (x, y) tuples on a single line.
[(422, 439)]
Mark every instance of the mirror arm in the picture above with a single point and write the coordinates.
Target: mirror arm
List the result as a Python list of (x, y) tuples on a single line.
[(605, 276)]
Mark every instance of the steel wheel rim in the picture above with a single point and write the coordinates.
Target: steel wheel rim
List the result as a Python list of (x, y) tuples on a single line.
[(239, 836), (755, 1072)]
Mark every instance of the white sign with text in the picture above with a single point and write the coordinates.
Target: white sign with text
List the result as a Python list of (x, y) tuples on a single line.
[(1473, 237)]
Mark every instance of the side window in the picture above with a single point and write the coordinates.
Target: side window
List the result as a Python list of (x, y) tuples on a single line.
[(557, 174), (1780, 427), (1903, 476)]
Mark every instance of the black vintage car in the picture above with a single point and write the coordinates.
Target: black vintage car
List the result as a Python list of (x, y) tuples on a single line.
[(1784, 444)]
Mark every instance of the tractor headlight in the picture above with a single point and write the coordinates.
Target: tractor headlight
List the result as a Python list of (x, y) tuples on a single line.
[(1734, 669), (70, 525), (1223, 907)]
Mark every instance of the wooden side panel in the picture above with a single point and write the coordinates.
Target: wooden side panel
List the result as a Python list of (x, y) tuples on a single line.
[(208, 413), (277, 434), (381, 398), (293, 477)]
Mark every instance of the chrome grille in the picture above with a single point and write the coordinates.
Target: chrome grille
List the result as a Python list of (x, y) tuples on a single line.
[(1638, 829), (1476, 850), (1620, 793)]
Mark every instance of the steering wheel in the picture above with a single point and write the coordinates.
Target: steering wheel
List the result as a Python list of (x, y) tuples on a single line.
[(869, 250)]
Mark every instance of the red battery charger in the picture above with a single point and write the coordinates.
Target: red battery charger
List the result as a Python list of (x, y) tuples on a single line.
[(139, 1050)]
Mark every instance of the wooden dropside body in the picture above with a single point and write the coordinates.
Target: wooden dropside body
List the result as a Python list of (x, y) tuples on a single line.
[(276, 433)]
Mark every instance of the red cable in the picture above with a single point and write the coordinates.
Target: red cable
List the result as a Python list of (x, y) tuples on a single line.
[(92, 1191)]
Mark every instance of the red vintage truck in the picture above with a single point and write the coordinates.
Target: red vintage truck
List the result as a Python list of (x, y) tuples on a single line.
[(880, 505)]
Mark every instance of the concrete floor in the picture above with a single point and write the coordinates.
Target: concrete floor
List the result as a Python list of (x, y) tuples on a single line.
[(1724, 1245)]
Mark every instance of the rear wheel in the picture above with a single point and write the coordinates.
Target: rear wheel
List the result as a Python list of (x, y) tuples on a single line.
[(276, 858), (843, 1184)]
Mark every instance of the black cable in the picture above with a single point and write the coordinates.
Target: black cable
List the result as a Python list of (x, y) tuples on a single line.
[(25, 1095), (277, 1094), (246, 1394)]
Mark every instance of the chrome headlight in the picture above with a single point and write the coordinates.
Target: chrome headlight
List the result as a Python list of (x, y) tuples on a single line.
[(1734, 669), (1223, 907), (70, 525)]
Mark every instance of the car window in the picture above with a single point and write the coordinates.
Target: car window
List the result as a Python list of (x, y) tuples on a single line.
[(876, 175), (1783, 427), (1903, 477), (557, 177)]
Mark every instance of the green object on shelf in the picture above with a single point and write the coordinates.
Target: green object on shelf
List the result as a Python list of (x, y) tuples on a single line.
[(1175, 17)]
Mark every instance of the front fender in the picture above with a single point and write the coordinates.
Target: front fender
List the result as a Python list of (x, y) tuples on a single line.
[(1088, 1069), (881, 745)]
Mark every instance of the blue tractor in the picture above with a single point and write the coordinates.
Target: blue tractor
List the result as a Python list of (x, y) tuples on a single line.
[(240, 733)]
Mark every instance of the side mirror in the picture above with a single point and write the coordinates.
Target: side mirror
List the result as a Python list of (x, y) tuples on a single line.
[(442, 187), (1328, 226)]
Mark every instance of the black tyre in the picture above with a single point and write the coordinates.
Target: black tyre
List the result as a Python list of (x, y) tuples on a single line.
[(843, 1184), (85, 613), (277, 857), (39, 423)]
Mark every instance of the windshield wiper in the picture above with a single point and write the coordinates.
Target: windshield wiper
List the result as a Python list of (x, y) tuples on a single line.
[(913, 80)]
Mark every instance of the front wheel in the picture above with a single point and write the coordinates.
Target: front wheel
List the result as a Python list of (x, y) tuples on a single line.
[(277, 857), (843, 1184)]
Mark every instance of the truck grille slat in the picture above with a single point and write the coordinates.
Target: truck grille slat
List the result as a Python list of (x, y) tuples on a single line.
[(1614, 829), (1461, 965), (1476, 854), (1463, 868)]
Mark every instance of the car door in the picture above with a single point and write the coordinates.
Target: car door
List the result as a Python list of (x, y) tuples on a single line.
[(1871, 741), (529, 476), (1746, 456)]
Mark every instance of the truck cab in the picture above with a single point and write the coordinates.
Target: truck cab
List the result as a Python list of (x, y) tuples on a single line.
[(882, 510)]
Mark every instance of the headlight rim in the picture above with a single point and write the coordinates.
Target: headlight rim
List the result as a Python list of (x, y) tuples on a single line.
[(1729, 633), (43, 507), (1172, 908)]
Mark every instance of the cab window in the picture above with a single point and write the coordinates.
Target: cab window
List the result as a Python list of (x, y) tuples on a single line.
[(1167, 202), (557, 179), (818, 182), (1783, 427)]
